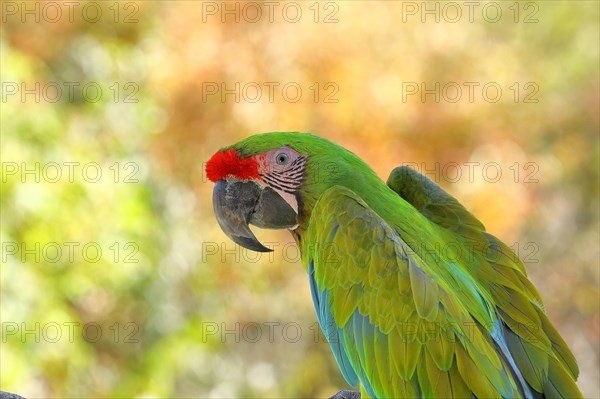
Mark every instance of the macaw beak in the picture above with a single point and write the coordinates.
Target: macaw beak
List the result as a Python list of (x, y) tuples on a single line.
[(240, 202)]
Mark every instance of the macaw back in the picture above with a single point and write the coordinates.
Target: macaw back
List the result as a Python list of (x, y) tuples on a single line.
[(417, 300)]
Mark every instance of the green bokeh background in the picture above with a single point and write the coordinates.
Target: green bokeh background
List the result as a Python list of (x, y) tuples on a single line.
[(171, 308)]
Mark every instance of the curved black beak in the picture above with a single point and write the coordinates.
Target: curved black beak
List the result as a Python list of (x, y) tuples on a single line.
[(238, 203)]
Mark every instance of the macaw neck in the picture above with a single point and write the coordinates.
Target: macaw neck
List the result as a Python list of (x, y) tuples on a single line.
[(368, 186), (335, 166)]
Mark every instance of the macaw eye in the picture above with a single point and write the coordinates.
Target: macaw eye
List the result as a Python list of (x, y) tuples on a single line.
[(281, 158)]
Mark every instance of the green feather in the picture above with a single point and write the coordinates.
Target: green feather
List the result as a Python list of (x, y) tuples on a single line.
[(404, 352), (441, 349), (344, 304), (531, 362), (559, 346), (559, 383), (471, 374), (425, 292), (445, 384)]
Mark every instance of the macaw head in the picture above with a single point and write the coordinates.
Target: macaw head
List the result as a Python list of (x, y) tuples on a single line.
[(272, 180)]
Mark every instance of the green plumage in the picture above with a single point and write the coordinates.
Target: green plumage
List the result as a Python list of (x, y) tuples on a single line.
[(424, 302)]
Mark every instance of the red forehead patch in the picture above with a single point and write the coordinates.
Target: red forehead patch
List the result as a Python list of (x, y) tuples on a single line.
[(227, 164)]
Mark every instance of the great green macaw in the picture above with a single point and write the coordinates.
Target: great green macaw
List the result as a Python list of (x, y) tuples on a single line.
[(415, 298)]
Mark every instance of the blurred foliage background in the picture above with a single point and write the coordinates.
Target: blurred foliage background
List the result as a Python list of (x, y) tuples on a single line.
[(122, 285)]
